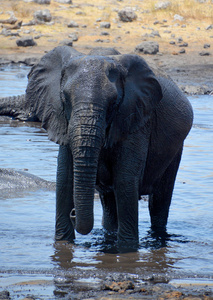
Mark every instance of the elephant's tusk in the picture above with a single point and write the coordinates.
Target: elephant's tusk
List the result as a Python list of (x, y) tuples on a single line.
[(73, 217)]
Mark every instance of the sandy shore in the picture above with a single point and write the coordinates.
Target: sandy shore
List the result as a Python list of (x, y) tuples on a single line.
[(31, 287), (191, 72), (184, 34)]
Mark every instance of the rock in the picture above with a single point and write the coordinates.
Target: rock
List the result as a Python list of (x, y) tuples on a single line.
[(26, 41), (31, 61), (155, 33), (105, 25), (12, 20), (73, 37), (182, 51), (105, 33), (204, 53), (104, 51), (66, 42), (183, 44), (42, 1), (178, 18), (120, 286), (4, 295), (179, 39), (195, 90), (73, 24), (42, 16), (7, 32), (209, 27), (64, 1), (172, 43), (127, 15), (148, 47), (156, 22), (162, 5), (30, 23), (206, 46)]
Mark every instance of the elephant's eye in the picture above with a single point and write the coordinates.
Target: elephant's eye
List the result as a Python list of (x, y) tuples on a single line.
[(113, 74), (67, 104), (66, 95)]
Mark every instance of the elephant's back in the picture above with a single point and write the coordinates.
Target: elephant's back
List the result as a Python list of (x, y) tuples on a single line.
[(174, 111)]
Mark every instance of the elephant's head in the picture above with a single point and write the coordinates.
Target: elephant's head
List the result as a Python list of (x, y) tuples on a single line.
[(90, 102)]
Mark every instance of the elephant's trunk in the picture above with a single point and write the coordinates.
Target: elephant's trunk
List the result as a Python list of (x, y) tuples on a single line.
[(14, 106), (86, 145)]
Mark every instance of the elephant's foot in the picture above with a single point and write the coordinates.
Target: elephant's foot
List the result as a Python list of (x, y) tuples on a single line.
[(128, 245), (62, 234)]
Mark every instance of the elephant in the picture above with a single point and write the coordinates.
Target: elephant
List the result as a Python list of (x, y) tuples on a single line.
[(121, 128), (13, 181)]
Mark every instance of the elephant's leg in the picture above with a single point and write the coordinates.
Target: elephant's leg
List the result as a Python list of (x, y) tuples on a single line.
[(160, 199), (110, 222), (130, 166), (64, 195), (127, 207)]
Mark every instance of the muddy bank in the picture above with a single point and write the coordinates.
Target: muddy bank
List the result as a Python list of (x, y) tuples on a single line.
[(113, 286), (191, 72)]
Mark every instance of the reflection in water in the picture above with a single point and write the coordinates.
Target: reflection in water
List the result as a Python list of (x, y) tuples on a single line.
[(27, 219), (68, 257)]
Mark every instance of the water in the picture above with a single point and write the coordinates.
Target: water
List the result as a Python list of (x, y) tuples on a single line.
[(27, 247)]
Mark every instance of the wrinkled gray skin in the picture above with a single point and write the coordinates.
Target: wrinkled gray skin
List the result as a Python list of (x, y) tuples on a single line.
[(12, 181), (121, 130)]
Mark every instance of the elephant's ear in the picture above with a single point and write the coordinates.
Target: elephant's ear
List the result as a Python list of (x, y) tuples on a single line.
[(43, 92), (141, 94)]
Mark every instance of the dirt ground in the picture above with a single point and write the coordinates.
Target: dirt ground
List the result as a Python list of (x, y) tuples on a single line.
[(182, 25)]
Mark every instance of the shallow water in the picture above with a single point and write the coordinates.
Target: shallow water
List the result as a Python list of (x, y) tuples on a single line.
[(27, 218)]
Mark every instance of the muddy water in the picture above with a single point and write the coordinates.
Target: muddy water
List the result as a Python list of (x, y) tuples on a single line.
[(27, 247)]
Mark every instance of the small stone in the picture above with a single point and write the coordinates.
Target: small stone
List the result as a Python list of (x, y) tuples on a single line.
[(127, 15), (183, 45), (179, 39), (105, 25), (4, 295), (156, 23), (66, 42), (155, 33), (172, 43), (26, 41), (209, 27), (182, 51), (148, 47), (162, 5), (178, 18), (206, 46), (73, 37), (192, 298), (64, 1), (73, 24), (105, 33), (42, 16), (42, 1), (204, 53)]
